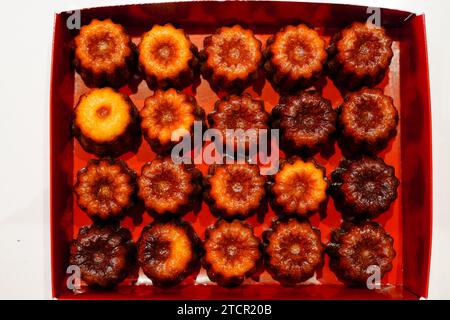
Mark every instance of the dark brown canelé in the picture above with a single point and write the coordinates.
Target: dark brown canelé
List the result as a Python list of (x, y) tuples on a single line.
[(367, 120), (105, 254), (106, 123), (307, 122), (165, 112), (105, 188), (299, 188), (168, 252), (232, 253), (104, 54), (293, 251), (239, 112), (358, 250), (359, 56), (235, 190), (294, 58), (169, 188), (363, 188), (231, 58), (168, 58)]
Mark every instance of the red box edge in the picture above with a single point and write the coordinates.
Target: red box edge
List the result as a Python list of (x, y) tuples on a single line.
[(59, 295)]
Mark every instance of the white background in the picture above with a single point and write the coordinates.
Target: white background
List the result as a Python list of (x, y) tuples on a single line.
[(25, 58)]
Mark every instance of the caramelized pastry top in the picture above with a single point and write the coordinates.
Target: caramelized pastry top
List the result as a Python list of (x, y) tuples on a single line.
[(355, 249), (105, 188), (233, 52), (103, 114), (165, 51), (167, 111), (167, 187), (232, 252), (293, 251), (167, 252), (300, 187), (364, 49), (236, 189), (101, 46), (298, 51)]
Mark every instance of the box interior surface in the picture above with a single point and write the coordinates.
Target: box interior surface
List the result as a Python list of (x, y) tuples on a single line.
[(408, 220)]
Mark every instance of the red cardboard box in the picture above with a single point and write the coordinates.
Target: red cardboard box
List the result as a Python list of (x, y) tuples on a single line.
[(408, 220)]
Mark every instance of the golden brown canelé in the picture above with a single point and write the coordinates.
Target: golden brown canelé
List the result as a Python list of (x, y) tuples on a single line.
[(299, 188), (359, 56), (168, 252), (294, 58), (105, 189), (235, 190), (239, 112), (105, 254), (293, 251), (307, 122), (169, 188), (367, 120), (358, 250), (167, 58), (363, 188), (166, 112), (106, 123), (231, 58), (232, 253), (104, 54)]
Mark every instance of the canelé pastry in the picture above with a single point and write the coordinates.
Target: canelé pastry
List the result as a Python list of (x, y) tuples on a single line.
[(294, 58), (306, 121), (235, 190), (355, 249), (169, 188), (232, 253), (239, 112), (168, 252), (105, 254), (106, 123), (359, 56), (363, 188), (105, 188), (299, 188), (293, 251), (230, 58), (168, 58), (165, 112), (367, 120), (104, 54)]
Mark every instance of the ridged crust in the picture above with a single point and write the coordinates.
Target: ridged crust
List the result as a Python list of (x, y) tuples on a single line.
[(168, 58), (231, 58), (299, 188), (355, 247), (363, 188), (129, 137), (359, 56), (367, 120), (168, 252), (105, 254), (239, 112), (294, 58), (307, 122), (293, 251), (104, 54), (105, 189), (167, 111), (234, 190), (232, 253), (168, 188)]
